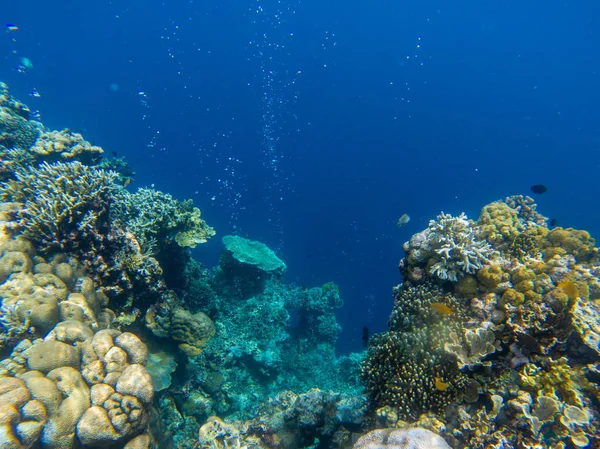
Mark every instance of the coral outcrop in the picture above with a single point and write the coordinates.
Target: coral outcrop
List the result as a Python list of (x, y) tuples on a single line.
[(497, 351)]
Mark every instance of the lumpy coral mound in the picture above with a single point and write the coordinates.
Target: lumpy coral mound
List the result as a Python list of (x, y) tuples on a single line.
[(494, 336)]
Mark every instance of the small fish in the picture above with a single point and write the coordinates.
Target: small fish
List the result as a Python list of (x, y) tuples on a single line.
[(441, 308), (365, 336), (538, 188), (402, 220), (26, 62), (553, 222), (35, 93), (440, 385), (10, 27), (127, 182)]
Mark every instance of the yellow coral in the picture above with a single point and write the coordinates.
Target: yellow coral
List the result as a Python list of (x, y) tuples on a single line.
[(570, 241), (499, 224), (490, 276)]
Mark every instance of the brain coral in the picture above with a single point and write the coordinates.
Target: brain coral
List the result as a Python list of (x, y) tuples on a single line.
[(76, 389)]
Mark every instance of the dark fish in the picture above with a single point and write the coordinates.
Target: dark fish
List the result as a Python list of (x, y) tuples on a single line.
[(114, 153), (365, 336), (553, 222), (528, 342), (538, 188)]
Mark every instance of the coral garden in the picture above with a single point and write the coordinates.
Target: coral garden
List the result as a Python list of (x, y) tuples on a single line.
[(113, 336)]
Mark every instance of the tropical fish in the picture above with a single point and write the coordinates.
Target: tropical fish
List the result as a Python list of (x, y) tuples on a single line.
[(402, 220), (441, 308), (11, 27), (538, 188), (570, 289), (553, 222), (127, 182), (440, 385)]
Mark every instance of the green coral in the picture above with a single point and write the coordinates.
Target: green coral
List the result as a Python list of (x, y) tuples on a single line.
[(253, 253)]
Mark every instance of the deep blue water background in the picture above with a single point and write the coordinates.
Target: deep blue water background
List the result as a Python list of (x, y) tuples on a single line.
[(313, 125)]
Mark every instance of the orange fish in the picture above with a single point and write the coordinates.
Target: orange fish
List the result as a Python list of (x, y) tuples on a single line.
[(442, 386), (441, 308)]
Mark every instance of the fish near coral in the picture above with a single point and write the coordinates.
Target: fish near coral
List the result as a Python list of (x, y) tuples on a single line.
[(570, 289), (402, 220), (441, 385), (538, 189), (442, 309)]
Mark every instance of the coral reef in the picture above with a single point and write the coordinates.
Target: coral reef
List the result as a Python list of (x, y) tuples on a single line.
[(86, 266), (516, 334)]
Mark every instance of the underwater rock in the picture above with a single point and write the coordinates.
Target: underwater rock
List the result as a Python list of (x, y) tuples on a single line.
[(414, 438)]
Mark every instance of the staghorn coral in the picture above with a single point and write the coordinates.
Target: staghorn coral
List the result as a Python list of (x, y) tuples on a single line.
[(449, 249), (458, 248), (63, 203)]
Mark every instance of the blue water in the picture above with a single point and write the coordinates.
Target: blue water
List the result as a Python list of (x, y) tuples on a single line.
[(313, 125)]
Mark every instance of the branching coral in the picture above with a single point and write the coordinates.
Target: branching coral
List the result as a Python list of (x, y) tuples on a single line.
[(460, 251), (62, 202), (152, 216)]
